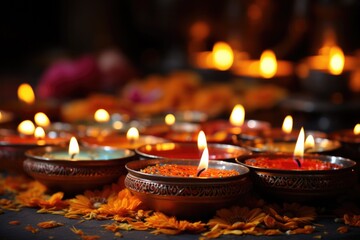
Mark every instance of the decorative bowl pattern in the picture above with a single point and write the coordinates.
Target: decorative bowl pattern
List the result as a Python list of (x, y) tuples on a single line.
[(187, 197), (77, 175), (303, 185)]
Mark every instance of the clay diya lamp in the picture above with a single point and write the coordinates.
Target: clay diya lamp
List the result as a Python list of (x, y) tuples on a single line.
[(229, 131), (131, 140), (285, 133), (299, 176), (267, 67), (76, 169), (186, 188), (188, 151), (14, 145)]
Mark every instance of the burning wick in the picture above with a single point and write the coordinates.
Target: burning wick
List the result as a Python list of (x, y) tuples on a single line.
[(298, 162), (200, 171), (72, 156)]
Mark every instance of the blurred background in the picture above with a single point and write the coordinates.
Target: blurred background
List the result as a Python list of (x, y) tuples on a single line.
[(135, 39)]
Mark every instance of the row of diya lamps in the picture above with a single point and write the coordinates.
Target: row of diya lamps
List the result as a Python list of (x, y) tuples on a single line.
[(323, 75), (185, 165)]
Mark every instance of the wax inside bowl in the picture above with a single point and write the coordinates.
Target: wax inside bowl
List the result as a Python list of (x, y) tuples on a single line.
[(190, 151)]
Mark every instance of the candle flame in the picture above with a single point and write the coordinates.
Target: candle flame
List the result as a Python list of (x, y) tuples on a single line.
[(287, 124), (39, 133), (299, 147), (309, 142), (73, 147), (170, 119), (336, 60), (237, 116), (268, 64), (357, 129), (223, 56), (132, 134), (101, 116), (201, 141), (26, 93), (204, 161), (41, 119), (26, 127)]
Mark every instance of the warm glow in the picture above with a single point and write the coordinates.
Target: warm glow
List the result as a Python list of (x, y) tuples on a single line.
[(41, 119), (39, 132), (268, 64), (118, 125), (101, 115), (170, 119), (26, 93), (237, 116), (336, 61), (73, 147), (309, 142), (201, 141), (132, 134), (299, 147), (204, 161), (287, 124), (223, 56), (357, 129), (26, 127)]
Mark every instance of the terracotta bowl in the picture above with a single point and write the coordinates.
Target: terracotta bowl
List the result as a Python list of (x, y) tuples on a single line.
[(72, 176), (187, 197), (302, 185)]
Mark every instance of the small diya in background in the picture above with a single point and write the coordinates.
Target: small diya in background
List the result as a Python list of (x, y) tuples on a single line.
[(14, 145), (300, 177), (27, 105), (286, 133), (188, 151), (187, 188), (76, 169), (328, 73), (227, 131), (267, 67), (131, 140)]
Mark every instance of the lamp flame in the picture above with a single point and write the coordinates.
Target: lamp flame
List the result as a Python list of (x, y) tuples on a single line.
[(237, 116), (223, 56), (26, 127), (26, 93), (41, 119), (299, 147), (170, 119), (357, 129), (204, 162), (268, 64), (39, 133), (73, 147), (309, 143), (287, 124), (101, 116), (201, 141), (132, 134), (336, 60)]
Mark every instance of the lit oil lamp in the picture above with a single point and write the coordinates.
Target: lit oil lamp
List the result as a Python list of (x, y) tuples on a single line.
[(286, 133), (27, 105), (13, 145), (299, 176), (267, 67), (131, 140), (188, 151), (313, 143), (326, 75), (228, 131), (187, 188), (75, 169)]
